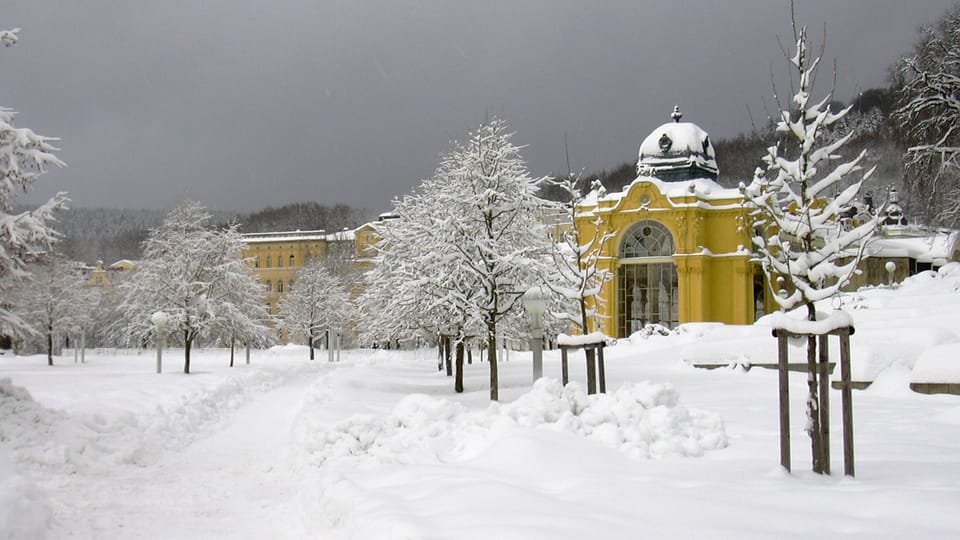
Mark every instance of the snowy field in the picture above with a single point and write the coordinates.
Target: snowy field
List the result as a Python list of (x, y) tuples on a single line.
[(379, 446)]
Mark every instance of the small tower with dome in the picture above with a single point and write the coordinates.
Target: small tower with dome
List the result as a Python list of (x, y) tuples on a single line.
[(678, 151)]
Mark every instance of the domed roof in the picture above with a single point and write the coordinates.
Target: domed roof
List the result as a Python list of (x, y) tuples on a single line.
[(678, 151)]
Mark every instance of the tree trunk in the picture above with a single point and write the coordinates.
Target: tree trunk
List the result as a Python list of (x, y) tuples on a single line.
[(470, 355), (447, 361), (49, 345), (439, 352), (458, 384), (232, 343), (187, 341), (310, 340), (813, 399), (492, 358)]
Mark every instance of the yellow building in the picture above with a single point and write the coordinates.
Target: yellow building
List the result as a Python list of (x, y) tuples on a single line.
[(679, 250), (276, 256), (101, 276), (680, 246)]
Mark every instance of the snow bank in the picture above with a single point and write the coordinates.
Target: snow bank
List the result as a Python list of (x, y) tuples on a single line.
[(939, 364), (642, 420), (24, 508)]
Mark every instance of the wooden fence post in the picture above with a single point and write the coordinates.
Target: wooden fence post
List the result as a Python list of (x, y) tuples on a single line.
[(591, 375), (564, 375), (847, 401), (782, 353), (603, 373), (824, 356)]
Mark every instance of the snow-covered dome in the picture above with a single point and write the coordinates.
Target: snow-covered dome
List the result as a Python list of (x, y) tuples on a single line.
[(678, 151)]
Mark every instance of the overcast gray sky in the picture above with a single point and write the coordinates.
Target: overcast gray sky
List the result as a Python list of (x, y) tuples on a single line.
[(243, 104)]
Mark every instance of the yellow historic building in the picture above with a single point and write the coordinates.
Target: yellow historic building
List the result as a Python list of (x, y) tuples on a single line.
[(680, 242), (276, 256), (679, 248)]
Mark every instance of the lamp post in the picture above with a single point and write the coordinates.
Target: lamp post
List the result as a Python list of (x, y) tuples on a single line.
[(535, 302), (160, 321)]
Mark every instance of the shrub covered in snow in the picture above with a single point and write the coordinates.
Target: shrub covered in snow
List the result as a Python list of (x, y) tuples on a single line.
[(642, 420)]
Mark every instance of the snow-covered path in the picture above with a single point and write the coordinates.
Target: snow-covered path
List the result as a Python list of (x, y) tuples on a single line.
[(230, 484)]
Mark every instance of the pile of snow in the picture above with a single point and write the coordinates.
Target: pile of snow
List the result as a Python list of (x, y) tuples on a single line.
[(642, 420), (24, 508), (939, 364)]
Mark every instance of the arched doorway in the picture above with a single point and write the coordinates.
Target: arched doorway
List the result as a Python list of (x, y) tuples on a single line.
[(647, 291)]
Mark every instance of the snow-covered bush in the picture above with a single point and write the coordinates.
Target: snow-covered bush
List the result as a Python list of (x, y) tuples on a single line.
[(643, 420)]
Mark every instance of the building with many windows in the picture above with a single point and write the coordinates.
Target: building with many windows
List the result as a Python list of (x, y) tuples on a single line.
[(275, 257)]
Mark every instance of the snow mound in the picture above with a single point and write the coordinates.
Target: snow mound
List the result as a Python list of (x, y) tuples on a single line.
[(33, 433), (642, 420), (24, 508)]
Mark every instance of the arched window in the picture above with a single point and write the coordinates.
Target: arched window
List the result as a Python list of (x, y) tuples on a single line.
[(279, 286), (647, 239), (279, 261), (647, 285), (269, 286), (256, 262), (291, 261)]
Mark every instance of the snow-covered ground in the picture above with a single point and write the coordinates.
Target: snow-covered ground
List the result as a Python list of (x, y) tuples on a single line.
[(379, 446)]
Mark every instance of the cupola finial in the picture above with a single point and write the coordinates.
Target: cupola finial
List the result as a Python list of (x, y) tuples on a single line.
[(676, 114)]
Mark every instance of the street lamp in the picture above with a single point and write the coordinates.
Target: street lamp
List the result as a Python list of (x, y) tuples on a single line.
[(891, 267), (535, 302), (160, 321)]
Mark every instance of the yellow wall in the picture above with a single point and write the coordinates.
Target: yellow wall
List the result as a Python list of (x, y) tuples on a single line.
[(276, 257), (714, 275)]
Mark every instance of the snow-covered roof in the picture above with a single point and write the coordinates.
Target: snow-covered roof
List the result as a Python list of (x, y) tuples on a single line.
[(919, 243), (294, 236), (677, 145), (704, 189), (123, 264)]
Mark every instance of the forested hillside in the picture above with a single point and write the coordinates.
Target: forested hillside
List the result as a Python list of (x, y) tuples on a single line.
[(307, 216)]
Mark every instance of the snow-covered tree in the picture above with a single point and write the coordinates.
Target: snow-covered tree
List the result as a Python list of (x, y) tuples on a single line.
[(796, 218), (470, 238), (799, 235), (928, 117), (243, 315), (579, 279), (24, 156), (193, 273), (55, 300), (318, 302)]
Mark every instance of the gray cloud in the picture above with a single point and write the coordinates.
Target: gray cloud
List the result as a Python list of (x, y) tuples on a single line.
[(242, 104)]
